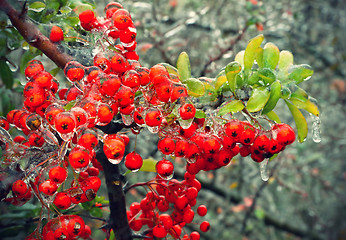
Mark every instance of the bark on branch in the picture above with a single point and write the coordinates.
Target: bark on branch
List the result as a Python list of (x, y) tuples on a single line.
[(33, 36)]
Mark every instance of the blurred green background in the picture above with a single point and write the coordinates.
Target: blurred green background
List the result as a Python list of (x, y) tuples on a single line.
[(305, 196)]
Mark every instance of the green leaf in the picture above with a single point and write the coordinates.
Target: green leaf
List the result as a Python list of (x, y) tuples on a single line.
[(275, 94), (259, 57), (271, 55), (37, 6), (299, 119), (220, 80), (233, 107), (306, 105), (285, 92), (299, 94), (273, 116), (195, 87), (232, 69), (260, 214), (301, 73), (285, 60), (250, 51), (200, 114), (258, 99), (68, 106), (6, 74), (266, 75), (183, 66), (96, 212), (171, 69), (71, 20), (65, 10), (239, 58)]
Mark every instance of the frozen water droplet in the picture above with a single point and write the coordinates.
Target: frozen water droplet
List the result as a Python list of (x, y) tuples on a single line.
[(49, 137), (5, 136), (62, 151), (13, 67), (153, 129), (136, 170), (67, 136), (264, 170), (185, 123), (127, 119), (166, 177), (316, 129), (115, 160)]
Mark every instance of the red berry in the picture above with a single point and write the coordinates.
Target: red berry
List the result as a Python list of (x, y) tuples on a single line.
[(202, 210), (133, 161), (187, 111), (19, 188), (205, 226), (166, 145), (62, 200), (164, 168), (58, 174), (56, 34), (159, 231), (48, 187)]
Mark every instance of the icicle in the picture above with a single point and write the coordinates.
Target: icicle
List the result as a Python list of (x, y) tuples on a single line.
[(264, 170), (5, 136), (316, 129)]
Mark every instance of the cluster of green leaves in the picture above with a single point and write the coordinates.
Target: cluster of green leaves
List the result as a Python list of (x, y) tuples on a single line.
[(255, 81)]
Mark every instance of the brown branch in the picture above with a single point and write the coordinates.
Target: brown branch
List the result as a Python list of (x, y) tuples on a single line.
[(33, 36), (223, 51), (118, 217)]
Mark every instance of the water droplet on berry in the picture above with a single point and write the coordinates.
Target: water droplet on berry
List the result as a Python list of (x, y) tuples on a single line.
[(115, 160), (153, 129), (264, 170), (66, 136), (316, 129), (185, 123)]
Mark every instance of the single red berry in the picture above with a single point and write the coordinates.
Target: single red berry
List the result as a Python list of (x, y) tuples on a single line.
[(79, 157), (164, 168), (19, 188), (285, 135), (202, 210), (62, 200), (65, 122), (57, 174), (33, 67), (48, 187), (187, 111), (153, 118), (234, 129), (56, 34), (166, 145), (133, 161), (181, 148), (195, 236), (205, 226)]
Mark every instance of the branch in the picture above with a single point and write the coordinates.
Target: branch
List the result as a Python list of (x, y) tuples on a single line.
[(223, 51), (118, 218), (33, 36)]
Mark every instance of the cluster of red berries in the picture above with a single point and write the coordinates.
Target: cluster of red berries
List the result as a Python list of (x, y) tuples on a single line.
[(153, 98), (168, 208), (117, 24), (64, 227)]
